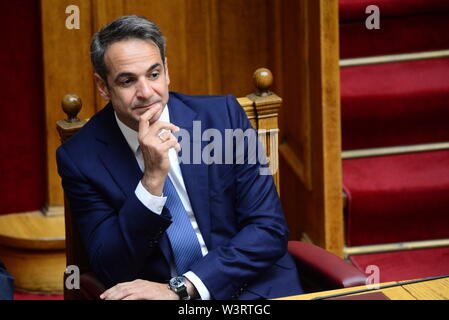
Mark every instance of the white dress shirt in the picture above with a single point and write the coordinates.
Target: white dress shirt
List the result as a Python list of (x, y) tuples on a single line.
[(156, 203)]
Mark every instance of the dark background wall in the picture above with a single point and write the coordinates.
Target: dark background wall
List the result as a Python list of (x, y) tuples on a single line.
[(22, 153)]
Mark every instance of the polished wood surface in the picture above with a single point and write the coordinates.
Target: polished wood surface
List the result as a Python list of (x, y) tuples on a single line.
[(38, 271), (66, 69), (394, 293), (75, 254), (437, 289), (71, 105), (430, 290), (212, 48), (32, 249), (328, 123), (310, 162), (32, 231), (267, 105)]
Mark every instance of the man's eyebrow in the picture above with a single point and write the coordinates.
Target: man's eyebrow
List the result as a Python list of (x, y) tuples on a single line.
[(154, 66), (124, 74), (130, 74)]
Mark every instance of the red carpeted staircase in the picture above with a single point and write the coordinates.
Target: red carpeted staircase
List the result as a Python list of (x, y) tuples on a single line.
[(402, 100)]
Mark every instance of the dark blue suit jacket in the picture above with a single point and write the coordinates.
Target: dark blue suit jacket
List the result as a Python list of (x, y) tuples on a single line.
[(237, 209), (6, 283)]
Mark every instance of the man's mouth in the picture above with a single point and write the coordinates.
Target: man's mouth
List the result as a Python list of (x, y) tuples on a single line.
[(146, 106)]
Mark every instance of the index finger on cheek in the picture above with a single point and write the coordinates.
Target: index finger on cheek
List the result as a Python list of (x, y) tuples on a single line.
[(152, 116), (150, 113)]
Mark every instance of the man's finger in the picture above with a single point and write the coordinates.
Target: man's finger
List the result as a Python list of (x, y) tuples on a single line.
[(176, 144), (117, 292), (107, 293), (165, 135), (171, 143), (159, 126), (146, 117)]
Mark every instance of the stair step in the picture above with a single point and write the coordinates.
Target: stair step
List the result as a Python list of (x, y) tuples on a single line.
[(399, 35), (393, 104), (406, 265), (354, 10), (397, 198)]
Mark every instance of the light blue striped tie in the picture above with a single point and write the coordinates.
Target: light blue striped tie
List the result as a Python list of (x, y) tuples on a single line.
[(185, 245)]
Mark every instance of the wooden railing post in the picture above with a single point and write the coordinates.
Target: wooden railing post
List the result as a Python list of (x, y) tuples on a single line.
[(266, 108), (71, 105)]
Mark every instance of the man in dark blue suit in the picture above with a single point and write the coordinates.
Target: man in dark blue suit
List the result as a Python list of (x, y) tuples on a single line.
[(155, 228)]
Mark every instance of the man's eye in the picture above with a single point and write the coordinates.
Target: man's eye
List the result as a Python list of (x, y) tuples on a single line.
[(154, 75), (126, 82)]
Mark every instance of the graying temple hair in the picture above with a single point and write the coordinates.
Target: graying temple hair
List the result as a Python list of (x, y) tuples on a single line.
[(124, 28)]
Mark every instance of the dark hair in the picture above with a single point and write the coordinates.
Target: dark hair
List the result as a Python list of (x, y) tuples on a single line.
[(124, 28)]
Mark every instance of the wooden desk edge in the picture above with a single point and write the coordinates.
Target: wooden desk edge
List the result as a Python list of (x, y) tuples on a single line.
[(310, 296), (427, 289)]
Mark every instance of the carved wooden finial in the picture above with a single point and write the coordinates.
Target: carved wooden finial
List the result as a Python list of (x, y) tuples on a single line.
[(71, 105), (263, 79)]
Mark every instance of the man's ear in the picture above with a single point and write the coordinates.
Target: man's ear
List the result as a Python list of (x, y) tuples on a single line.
[(166, 71), (102, 87)]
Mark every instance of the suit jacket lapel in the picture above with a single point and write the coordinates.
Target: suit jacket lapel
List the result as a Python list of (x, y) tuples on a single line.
[(195, 175), (116, 155), (122, 165)]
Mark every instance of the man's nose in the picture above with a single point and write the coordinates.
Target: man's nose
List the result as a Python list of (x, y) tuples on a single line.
[(144, 89)]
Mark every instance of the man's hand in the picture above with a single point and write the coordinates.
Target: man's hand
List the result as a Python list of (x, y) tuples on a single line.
[(139, 290), (155, 140)]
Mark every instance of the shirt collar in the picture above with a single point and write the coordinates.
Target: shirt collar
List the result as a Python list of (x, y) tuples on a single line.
[(131, 135)]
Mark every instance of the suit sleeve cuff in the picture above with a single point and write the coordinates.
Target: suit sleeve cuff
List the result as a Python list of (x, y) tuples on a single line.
[(199, 285), (153, 203)]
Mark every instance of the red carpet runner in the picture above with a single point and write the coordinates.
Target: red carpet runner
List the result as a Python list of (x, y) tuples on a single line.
[(394, 104), (406, 265), (399, 197)]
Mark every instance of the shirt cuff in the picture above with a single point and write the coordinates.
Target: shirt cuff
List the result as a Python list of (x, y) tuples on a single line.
[(199, 285), (153, 203)]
